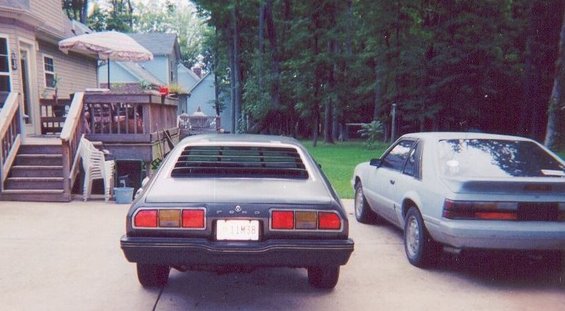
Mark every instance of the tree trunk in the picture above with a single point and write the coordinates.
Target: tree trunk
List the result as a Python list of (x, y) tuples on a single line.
[(261, 44), (275, 59), (236, 68), (556, 101), (330, 103)]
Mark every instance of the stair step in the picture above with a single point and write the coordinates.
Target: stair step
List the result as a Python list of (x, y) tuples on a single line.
[(37, 195), (36, 171), (40, 149), (39, 159), (34, 183)]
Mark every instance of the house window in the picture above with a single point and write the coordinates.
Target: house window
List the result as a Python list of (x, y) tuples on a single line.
[(4, 66), (49, 68)]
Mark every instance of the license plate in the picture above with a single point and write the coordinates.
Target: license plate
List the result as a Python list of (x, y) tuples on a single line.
[(237, 230)]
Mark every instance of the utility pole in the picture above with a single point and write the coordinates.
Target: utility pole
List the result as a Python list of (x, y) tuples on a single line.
[(393, 126)]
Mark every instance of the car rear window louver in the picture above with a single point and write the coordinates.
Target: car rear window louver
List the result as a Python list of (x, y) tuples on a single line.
[(246, 162)]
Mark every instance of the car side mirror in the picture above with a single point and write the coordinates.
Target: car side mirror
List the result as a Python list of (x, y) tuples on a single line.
[(375, 162)]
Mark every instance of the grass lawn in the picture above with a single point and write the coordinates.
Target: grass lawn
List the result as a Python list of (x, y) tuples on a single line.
[(339, 160)]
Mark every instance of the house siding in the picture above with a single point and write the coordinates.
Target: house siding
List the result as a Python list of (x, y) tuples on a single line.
[(14, 35), (203, 96), (74, 71), (159, 67)]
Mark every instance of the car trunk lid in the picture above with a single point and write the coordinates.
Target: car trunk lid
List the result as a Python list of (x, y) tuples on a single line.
[(241, 190)]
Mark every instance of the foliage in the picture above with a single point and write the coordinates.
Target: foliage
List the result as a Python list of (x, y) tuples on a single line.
[(179, 18), (447, 64), (145, 85), (372, 132), (114, 15), (76, 9), (176, 88), (338, 161)]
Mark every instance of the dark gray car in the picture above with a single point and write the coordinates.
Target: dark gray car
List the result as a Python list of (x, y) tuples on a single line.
[(236, 202)]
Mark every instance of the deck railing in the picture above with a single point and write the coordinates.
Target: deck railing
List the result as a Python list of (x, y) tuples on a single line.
[(128, 117), (10, 135), (53, 113)]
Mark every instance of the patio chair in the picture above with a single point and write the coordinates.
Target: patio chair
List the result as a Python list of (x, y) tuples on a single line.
[(96, 167)]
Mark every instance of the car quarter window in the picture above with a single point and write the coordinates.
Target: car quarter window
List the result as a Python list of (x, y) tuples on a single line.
[(397, 156)]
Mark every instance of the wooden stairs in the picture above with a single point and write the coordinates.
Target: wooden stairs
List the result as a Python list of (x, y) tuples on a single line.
[(36, 175)]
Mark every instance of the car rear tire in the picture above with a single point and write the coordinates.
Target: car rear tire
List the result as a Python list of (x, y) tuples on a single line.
[(363, 212), (151, 275), (323, 277), (421, 250)]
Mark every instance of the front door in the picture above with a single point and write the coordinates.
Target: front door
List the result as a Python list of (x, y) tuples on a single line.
[(29, 92)]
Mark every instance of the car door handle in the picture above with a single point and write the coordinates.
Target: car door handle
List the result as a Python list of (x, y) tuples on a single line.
[(392, 182)]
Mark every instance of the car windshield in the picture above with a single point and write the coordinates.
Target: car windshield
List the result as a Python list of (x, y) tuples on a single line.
[(487, 158)]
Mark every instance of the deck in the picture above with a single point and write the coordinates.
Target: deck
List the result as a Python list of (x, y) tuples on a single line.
[(138, 128)]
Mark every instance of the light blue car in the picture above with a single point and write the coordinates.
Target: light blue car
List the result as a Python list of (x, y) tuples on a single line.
[(465, 190)]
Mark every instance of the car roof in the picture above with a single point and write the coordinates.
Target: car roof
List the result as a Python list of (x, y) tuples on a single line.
[(240, 138), (462, 135)]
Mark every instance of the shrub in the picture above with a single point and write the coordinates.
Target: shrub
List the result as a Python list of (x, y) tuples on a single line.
[(372, 132)]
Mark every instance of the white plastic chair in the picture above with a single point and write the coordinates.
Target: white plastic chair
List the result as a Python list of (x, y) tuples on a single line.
[(95, 167)]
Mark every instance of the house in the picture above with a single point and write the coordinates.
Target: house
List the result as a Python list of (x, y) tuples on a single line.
[(187, 78), (46, 110), (161, 71), (32, 64), (202, 98)]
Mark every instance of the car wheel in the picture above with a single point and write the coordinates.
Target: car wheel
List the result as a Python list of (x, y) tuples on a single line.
[(323, 277), (421, 250), (151, 275), (363, 212)]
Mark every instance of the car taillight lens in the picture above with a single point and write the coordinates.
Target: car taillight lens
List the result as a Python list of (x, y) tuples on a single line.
[(146, 219), (170, 218), (282, 219), (305, 220), (480, 210), (329, 221), (194, 219)]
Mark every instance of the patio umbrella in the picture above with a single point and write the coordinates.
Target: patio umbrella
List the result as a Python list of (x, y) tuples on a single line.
[(107, 45)]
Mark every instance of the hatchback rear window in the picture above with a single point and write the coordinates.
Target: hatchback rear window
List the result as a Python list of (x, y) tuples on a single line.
[(240, 161), (496, 158)]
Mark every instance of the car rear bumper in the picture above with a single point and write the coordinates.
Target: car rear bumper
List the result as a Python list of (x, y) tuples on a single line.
[(287, 253), (500, 234)]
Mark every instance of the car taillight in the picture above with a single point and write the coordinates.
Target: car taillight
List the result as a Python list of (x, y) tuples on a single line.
[(305, 220), (146, 219), (282, 219), (194, 219), (170, 218), (480, 210), (329, 221)]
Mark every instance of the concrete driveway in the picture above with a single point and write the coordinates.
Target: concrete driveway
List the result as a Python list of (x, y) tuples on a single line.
[(66, 256)]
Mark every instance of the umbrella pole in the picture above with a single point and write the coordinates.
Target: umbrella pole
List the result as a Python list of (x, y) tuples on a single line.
[(109, 87)]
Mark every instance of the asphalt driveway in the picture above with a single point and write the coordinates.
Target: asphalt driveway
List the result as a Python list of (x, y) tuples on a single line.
[(66, 256)]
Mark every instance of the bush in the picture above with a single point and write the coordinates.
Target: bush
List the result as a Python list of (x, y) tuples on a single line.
[(372, 132)]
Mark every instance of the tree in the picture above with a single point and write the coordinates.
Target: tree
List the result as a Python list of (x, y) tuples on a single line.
[(118, 16), (76, 10), (179, 18), (304, 68), (556, 112)]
